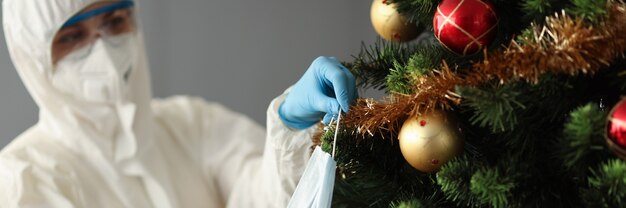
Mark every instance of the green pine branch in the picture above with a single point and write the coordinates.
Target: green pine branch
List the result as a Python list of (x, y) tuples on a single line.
[(537, 8), (419, 11), (402, 77), (454, 180), (495, 106), (492, 187), (413, 203), (607, 185), (583, 136), (371, 171), (373, 63), (590, 10)]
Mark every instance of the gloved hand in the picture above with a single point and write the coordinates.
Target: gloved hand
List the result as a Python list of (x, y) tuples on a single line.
[(323, 88)]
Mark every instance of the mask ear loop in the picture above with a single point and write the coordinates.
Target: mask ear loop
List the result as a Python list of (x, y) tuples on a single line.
[(336, 132)]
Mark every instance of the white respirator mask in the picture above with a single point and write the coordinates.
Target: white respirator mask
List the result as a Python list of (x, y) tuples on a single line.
[(99, 72)]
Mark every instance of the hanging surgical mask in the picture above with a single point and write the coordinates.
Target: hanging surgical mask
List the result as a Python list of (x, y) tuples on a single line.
[(99, 72), (316, 186), (315, 189)]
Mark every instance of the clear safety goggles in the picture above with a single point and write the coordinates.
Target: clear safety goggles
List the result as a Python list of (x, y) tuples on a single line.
[(103, 20)]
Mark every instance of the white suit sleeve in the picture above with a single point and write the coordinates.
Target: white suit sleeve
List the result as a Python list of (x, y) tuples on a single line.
[(256, 168), (251, 167), (23, 184), (269, 181)]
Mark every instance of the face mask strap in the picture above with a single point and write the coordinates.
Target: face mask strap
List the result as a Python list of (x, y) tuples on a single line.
[(336, 131), (111, 7)]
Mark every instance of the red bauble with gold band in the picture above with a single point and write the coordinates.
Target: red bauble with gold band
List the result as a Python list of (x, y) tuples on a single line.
[(616, 129), (465, 26)]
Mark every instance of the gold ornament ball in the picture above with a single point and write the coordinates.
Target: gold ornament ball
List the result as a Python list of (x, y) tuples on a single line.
[(429, 141), (390, 24)]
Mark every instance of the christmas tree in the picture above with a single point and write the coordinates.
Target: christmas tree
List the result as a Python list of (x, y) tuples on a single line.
[(499, 103)]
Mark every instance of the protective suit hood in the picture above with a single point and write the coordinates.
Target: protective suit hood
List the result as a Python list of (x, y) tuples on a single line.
[(30, 26)]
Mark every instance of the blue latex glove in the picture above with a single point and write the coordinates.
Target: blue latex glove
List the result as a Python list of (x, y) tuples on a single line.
[(324, 87)]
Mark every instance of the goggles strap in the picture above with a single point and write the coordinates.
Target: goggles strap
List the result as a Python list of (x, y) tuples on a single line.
[(111, 7)]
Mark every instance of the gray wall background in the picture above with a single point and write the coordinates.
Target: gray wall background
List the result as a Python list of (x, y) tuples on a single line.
[(241, 53)]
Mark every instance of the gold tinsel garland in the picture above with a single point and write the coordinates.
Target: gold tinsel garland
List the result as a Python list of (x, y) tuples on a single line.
[(563, 46)]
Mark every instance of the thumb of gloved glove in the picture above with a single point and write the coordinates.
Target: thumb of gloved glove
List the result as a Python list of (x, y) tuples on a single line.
[(324, 87)]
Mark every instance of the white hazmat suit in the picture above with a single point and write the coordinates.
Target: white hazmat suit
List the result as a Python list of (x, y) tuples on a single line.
[(136, 152)]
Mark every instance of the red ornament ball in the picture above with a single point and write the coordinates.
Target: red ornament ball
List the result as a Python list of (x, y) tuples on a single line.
[(616, 126), (465, 26)]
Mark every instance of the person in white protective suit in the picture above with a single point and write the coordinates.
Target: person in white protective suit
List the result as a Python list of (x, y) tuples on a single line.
[(101, 141)]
